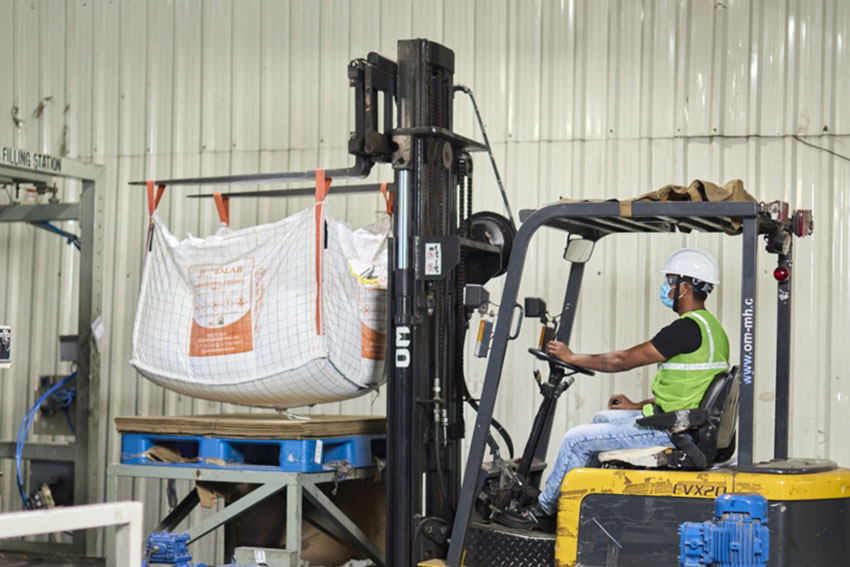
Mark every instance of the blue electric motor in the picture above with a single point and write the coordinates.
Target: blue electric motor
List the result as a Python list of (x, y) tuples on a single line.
[(169, 549), (738, 536)]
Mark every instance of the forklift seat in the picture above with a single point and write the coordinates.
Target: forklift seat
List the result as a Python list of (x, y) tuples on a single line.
[(700, 436)]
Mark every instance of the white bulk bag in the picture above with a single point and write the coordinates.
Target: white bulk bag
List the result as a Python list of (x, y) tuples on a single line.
[(263, 316)]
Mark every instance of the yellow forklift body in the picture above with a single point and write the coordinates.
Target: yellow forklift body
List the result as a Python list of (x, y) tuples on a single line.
[(609, 511)]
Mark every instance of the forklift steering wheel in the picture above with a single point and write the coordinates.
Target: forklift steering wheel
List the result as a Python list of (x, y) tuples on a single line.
[(558, 362)]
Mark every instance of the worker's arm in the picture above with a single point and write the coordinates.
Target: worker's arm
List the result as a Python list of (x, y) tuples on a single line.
[(620, 401), (614, 361)]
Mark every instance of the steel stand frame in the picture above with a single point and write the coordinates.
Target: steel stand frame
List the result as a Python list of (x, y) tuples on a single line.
[(20, 166), (298, 486)]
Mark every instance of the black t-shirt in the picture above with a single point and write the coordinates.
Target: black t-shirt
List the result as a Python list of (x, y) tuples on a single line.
[(679, 337)]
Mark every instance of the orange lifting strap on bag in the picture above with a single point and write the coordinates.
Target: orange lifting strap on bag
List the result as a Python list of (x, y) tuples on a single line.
[(222, 204), (153, 203), (323, 185)]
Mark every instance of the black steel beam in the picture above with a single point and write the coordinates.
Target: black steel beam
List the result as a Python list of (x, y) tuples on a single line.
[(573, 226), (711, 224), (643, 224), (694, 209), (360, 169), (462, 143), (565, 330), (180, 512), (748, 344), (642, 209), (783, 359), (594, 227), (699, 224), (301, 191), (487, 402)]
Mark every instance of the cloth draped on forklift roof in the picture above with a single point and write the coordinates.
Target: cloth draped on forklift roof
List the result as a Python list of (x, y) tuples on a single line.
[(697, 191)]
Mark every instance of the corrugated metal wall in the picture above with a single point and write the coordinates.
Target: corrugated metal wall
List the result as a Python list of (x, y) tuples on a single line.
[(582, 98)]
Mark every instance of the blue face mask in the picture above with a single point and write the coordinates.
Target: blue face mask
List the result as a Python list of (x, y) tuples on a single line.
[(665, 294)]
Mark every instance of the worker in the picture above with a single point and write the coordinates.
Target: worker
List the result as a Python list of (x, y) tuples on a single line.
[(690, 352)]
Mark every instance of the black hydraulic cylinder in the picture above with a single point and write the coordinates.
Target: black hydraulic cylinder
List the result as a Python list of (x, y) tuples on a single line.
[(399, 408)]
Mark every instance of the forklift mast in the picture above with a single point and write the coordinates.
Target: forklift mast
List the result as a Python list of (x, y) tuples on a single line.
[(427, 327), (418, 391)]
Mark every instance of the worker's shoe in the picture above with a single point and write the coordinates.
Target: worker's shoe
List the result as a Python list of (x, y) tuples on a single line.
[(528, 497), (530, 518)]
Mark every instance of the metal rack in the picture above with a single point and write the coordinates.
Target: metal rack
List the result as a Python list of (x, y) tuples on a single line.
[(24, 167), (298, 486)]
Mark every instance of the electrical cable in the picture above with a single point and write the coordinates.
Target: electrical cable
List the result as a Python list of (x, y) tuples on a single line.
[(150, 551), (440, 348), (64, 397), (24, 429), (821, 148), (493, 423), (68, 420), (438, 463), (71, 238), (468, 91)]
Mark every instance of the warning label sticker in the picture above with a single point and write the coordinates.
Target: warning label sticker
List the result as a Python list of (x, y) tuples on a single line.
[(221, 322), (433, 259)]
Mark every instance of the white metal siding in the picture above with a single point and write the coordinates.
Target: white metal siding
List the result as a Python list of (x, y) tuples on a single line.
[(582, 99)]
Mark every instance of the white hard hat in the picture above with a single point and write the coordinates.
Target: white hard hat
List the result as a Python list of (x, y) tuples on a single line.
[(694, 263)]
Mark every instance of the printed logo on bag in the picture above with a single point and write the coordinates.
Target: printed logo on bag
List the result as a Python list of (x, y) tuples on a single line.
[(373, 323), (221, 322)]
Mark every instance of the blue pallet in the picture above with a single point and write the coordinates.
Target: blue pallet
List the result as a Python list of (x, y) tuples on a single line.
[(287, 455)]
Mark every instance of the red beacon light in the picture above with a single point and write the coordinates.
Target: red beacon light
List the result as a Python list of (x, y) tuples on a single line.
[(781, 274)]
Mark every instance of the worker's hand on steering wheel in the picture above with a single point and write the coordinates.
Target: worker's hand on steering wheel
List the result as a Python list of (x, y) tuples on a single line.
[(558, 350), (620, 401)]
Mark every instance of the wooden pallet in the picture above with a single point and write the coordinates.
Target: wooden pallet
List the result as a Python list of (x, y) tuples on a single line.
[(255, 425)]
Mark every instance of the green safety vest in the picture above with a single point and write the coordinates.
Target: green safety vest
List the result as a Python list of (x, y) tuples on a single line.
[(682, 380)]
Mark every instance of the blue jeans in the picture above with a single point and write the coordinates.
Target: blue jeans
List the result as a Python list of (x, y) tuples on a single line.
[(609, 430)]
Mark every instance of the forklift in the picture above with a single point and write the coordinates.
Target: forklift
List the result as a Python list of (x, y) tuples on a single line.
[(441, 255), (628, 511)]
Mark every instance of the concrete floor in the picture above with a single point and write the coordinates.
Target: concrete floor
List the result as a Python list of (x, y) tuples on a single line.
[(9, 559)]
